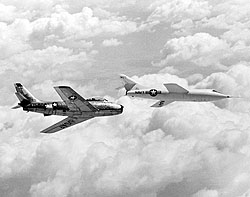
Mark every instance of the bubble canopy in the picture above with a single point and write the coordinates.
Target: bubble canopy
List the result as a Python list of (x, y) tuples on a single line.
[(97, 99)]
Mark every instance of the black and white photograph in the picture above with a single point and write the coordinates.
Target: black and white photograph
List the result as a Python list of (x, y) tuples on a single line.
[(124, 98)]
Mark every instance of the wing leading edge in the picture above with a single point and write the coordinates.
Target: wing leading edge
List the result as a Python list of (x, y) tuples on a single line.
[(65, 123), (73, 100)]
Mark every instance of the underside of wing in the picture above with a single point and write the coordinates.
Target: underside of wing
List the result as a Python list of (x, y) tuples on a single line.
[(175, 88), (73, 100), (63, 124), (162, 103)]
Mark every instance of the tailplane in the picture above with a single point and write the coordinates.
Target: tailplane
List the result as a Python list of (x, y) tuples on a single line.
[(24, 96), (129, 83)]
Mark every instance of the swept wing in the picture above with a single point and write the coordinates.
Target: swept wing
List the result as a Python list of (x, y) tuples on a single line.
[(73, 100), (175, 88), (65, 123), (162, 103)]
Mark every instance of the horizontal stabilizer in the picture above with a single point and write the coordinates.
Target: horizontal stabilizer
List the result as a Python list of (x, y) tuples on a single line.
[(16, 107), (162, 103), (175, 88)]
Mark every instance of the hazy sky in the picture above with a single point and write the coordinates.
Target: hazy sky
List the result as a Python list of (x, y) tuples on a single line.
[(181, 150)]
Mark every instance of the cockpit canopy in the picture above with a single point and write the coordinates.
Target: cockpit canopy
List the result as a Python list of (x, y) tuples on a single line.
[(97, 99), (215, 91)]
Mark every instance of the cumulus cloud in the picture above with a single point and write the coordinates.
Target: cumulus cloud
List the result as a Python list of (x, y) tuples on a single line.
[(201, 49), (206, 193), (111, 42), (119, 156), (176, 10), (204, 53), (14, 37), (60, 60), (228, 14), (7, 13), (183, 149), (62, 25), (188, 17), (237, 35)]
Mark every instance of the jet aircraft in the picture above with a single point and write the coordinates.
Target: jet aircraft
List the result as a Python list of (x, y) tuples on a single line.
[(172, 92), (73, 105)]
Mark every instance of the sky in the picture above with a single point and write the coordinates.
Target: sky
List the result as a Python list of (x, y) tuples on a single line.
[(183, 149)]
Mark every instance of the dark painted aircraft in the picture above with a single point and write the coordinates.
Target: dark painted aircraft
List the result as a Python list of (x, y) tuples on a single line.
[(73, 105)]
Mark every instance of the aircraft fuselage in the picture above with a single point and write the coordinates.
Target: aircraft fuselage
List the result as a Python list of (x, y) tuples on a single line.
[(60, 108), (163, 95)]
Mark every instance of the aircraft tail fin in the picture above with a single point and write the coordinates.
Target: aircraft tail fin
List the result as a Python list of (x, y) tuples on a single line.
[(129, 83), (24, 96)]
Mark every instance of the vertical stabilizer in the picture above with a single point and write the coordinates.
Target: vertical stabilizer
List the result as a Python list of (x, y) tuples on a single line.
[(129, 83), (24, 95)]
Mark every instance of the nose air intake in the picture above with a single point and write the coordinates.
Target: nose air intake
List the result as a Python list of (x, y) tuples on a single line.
[(121, 108)]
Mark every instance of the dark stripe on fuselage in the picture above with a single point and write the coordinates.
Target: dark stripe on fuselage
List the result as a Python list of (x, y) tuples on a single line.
[(60, 108)]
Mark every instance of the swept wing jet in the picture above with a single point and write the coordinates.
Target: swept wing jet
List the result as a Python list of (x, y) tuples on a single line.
[(76, 108), (172, 92)]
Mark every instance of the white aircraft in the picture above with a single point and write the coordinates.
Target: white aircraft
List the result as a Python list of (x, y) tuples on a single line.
[(173, 92)]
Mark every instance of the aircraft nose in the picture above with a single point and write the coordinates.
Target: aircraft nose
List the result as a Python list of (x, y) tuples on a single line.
[(121, 108)]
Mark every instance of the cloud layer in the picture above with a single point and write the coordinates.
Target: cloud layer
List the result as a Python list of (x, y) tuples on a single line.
[(183, 149)]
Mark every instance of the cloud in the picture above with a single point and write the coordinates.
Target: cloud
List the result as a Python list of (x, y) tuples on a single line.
[(228, 14), (237, 35), (184, 149), (106, 156), (111, 42), (200, 50), (234, 82), (7, 13), (60, 60), (138, 154), (63, 25), (14, 37), (203, 53), (189, 17), (206, 193), (177, 10)]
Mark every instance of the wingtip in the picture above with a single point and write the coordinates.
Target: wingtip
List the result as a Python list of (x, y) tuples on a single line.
[(44, 131), (122, 75), (61, 86), (18, 85)]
